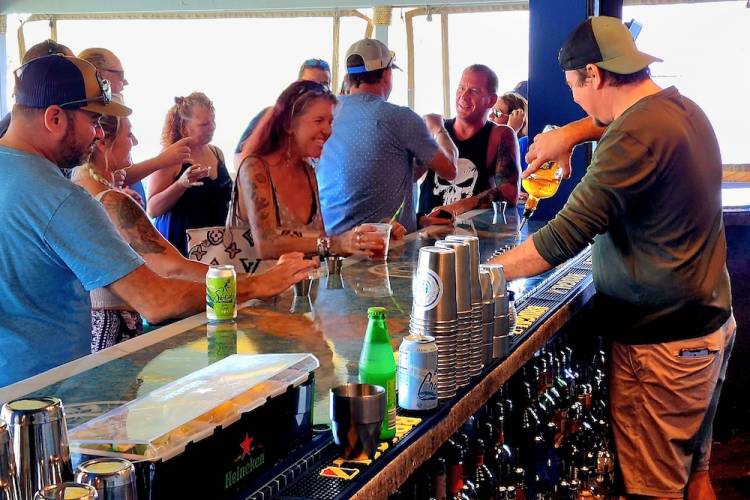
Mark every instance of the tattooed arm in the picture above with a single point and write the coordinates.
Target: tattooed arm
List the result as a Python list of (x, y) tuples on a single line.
[(135, 228), (255, 204), (504, 179)]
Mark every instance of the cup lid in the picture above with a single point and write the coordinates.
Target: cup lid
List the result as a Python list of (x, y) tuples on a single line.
[(31, 411)]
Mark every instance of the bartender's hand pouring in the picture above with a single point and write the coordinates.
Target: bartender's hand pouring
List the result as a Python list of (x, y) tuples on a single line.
[(550, 146)]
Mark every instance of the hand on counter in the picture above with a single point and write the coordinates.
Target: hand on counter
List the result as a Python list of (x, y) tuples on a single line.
[(440, 216), (289, 269)]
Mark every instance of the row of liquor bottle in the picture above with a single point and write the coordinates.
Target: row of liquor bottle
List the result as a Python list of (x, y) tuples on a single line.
[(544, 435)]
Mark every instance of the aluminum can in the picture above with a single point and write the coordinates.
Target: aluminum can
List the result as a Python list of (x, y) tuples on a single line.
[(417, 373), (221, 293)]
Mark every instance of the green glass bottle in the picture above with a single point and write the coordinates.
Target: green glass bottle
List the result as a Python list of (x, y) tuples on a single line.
[(377, 366)]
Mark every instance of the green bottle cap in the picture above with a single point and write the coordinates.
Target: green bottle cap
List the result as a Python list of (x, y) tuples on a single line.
[(376, 312)]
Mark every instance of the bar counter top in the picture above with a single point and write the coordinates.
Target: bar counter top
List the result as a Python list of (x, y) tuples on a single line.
[(329, 324)]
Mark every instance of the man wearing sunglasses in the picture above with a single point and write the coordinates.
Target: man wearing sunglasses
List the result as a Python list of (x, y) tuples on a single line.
[(312, 70), (58, 242), (488, 157)]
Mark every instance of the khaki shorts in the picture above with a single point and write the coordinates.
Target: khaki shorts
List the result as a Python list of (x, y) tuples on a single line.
[(663, 400)]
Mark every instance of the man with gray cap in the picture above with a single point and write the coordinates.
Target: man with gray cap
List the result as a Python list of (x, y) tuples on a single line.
[(366, 170), (58, 243), (651, 203)]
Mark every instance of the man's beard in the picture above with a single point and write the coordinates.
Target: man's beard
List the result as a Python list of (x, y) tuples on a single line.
[(72, 153)]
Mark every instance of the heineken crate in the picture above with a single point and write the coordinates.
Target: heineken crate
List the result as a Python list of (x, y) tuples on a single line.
[(187, 440)]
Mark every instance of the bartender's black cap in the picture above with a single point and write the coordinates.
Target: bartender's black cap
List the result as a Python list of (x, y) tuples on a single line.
[(606, 42)]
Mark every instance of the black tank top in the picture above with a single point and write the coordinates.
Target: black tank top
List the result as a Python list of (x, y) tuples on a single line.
[(472, 172)]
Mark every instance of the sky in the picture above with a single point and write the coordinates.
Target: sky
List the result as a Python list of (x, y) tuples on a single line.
[(243, 64)]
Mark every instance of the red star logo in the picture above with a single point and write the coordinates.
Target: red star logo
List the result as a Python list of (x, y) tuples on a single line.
[(245, 445)]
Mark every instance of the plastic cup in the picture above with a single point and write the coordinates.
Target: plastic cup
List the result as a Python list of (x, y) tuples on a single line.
[(384, 230)]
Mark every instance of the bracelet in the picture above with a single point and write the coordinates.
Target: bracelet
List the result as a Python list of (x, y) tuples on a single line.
[(324, 247)]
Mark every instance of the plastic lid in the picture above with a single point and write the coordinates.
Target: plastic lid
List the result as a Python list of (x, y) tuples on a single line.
[(376, 312), (161, 423)]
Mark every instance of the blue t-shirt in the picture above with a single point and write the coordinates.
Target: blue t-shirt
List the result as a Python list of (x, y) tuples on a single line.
[(57, 244), (365, 171)]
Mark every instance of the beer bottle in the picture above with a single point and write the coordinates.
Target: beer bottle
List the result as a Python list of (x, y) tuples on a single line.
[(377, 366), (485, 482)]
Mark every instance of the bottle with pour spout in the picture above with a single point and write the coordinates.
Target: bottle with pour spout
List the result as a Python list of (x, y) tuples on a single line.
[(541, 184)]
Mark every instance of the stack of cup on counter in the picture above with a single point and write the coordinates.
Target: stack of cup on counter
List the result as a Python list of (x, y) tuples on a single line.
[(434, 311), (35, 458), (475, 355), (488, 315), (465, 325), (501, 331)]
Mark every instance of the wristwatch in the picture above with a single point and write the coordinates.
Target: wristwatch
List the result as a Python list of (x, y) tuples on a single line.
[(324, 247)]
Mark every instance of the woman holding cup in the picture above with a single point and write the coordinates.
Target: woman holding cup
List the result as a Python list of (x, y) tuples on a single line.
[(277, 193)]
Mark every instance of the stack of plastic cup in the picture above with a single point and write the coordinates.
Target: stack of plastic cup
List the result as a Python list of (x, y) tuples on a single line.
[(501, 330), (465, 325), (488, 315), (433, 310), (475, 357)]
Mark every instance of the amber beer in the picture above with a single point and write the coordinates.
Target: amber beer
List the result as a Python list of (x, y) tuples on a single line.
[(221, 293), (541, 184)]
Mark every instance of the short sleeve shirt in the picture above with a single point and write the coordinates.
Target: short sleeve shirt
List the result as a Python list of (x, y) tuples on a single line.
[(57, 245), (365, 171)]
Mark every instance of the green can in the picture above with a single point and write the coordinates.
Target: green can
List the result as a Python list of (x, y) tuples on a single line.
[(221, 293)]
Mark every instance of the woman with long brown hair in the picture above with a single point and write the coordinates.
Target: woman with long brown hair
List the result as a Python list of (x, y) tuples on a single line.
[(277, 191), (193, 195)]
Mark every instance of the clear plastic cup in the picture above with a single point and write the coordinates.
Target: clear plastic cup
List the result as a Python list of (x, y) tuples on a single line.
[(384, 230)]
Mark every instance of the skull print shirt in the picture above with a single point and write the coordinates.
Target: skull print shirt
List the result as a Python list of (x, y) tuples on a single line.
[(472, 172)]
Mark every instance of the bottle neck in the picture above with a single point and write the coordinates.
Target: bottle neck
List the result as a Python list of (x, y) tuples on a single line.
[(377, 332)]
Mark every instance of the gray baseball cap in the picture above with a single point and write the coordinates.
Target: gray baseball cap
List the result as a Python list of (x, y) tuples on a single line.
[(374, 54)]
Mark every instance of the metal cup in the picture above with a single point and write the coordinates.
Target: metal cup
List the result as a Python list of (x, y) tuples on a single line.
[(473, 241), (463, 276), (113, 478), (9, 489), (434, 285), (357, 413), (67, 491), (488, 297), (499, 287), (40, 442), (333, 264), (302, 287)]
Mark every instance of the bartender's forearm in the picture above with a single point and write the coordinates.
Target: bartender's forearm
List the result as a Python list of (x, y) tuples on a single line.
[(583, 130), (523, 261)]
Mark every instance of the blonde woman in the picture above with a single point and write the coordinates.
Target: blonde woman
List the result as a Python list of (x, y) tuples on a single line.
[(190, 195)]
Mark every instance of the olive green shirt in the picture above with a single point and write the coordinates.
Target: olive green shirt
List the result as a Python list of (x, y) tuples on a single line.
[(651, 203)]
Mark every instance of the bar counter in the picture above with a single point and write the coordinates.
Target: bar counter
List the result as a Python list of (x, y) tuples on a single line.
[(330, 325)]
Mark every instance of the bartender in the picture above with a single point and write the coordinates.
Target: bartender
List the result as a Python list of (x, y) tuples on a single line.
[(651, 203)]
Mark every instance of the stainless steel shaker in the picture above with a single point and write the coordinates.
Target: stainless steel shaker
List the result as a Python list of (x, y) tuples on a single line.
[(39, 437), (66, 491), (112, 478), (8, 479)]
